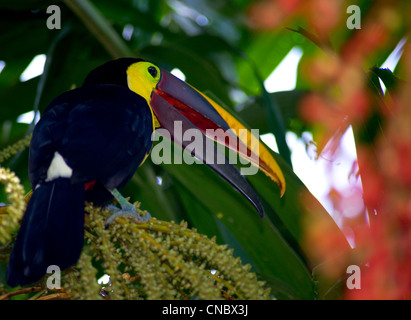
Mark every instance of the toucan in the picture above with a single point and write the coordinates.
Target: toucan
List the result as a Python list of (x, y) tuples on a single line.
[(90, 141)]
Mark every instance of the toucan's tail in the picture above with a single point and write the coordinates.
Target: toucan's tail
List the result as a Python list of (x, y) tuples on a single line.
[(51, 233)]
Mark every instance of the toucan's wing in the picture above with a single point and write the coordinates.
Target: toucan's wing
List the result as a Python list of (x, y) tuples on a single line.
[(103, 133)]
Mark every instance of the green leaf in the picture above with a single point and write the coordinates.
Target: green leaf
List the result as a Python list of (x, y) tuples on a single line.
[(18, 99), (266, 51), (161, 201), (275, 121), (288, 104), (390, 80)]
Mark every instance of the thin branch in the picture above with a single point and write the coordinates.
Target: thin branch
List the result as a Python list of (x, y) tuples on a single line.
[(57, 296), (8, 295)]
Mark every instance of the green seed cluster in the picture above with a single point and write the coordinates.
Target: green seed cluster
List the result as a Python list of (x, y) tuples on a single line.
[(15, 148), (165, 260), (11, 214), (83, 276)]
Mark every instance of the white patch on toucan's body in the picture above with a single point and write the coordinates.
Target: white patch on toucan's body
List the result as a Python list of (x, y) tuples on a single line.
[(58, 168)]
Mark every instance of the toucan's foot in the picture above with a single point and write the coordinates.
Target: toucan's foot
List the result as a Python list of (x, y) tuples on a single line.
[(128, 211)]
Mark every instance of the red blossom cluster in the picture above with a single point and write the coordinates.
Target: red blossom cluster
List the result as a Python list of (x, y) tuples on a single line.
[(320, 15), (341, 96)]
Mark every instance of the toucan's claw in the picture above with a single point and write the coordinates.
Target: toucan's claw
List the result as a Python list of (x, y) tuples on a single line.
[(127, 212)]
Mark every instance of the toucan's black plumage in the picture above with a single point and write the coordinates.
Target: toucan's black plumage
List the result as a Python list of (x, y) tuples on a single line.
[(103, 133), (90, 141)]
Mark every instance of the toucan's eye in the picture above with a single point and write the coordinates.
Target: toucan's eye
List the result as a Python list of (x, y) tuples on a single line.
[(153, 71)]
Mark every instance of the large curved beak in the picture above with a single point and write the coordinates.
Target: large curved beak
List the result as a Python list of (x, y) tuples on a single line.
[(175, 101)]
